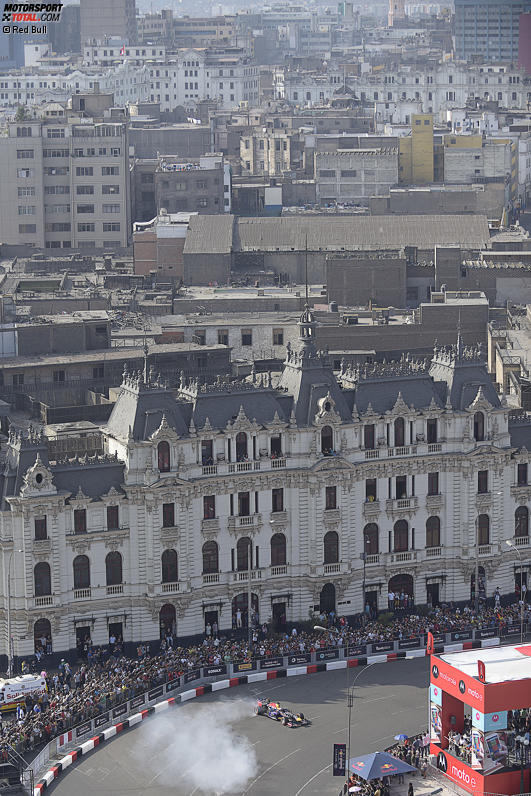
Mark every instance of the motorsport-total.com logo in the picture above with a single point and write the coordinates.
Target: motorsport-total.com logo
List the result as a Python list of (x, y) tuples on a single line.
[(19, 15)]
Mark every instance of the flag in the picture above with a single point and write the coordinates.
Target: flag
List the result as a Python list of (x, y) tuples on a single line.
[(122, 51), (430, 644), (481, 671)]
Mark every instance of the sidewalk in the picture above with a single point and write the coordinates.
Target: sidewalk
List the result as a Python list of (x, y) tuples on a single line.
[(421, 787)]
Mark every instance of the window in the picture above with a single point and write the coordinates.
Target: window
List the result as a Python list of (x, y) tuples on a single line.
[(483, 529), (18, 379), (223, 336), (84, 171), (331, 547), (111, 226), (400, 536), (247, 337), (330, 497), (243, 549), (85, 209), (241, 446), (521, 521), (98, 372), (27, 210), (42, 579), (113, 568), (370, 490), (276, 446), (401, 487), (25, 173), (25, 154), (348, 172), (399, 432), (433, 532), (110, 171), (327, 173), (84, 190), (209, 507), (113, 518), (81, 567), (370, 539), (368, 436), (431, 431), (39, 524), (207, 452), (170, 571), (277, 499), (433, 483), (278, 336), (163, 456), (59, 375), (244, 504), (521, 474), (86, 226), (210, 558), (327, 441), (483, 482), (80, 520), (25, 229), (479, 426), (110, 189), (27, 190), (168, 515), (278, 550)]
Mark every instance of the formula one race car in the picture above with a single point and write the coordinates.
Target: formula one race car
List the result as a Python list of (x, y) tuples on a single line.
[(274, 711)]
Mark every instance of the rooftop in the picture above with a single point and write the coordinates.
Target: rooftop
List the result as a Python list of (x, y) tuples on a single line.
[(501, 663)]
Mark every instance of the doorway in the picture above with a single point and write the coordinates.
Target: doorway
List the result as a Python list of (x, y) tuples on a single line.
[(327, 599), (211, 618), (239, 610), (82, 638), (116, 630), (432, 594), (279, 616)]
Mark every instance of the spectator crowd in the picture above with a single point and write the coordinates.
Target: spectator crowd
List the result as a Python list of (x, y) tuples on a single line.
[(105, 677)]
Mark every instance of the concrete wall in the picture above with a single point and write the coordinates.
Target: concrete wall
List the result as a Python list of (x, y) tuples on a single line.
[(185, 142), (486, 200), (354, 280), (206, 269)]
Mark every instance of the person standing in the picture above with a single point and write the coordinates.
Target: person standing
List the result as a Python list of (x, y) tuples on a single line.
[(410, 789)]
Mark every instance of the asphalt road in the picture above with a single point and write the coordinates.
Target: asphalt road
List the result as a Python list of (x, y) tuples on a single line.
[(215, 744)]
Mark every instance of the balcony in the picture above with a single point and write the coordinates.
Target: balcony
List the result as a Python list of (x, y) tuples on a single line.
[(521, 541), (434, 447), (212, 577), (40, 602), (371, 508), (331, 516), (372, 559), (239, 577), (117, 589), (278, 517), (403, 450), (401, 505), (434, 552), (209, 525), (281, 569), (372, 453), (401, 558), (332, 569), (243, 467), (278, 464), (210, 469), (245, 521), (82, 594), (167, 588), (521, 492), (485, 549)]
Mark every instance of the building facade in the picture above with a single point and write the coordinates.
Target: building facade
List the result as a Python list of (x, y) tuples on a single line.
[(398, 476), (488, 29), (102, 18)]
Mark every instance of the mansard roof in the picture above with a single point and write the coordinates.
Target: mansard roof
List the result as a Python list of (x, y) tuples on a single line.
[(463, 370)]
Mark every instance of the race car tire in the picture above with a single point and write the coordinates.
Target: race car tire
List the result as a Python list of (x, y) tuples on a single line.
[(285, 722), (301, 716)]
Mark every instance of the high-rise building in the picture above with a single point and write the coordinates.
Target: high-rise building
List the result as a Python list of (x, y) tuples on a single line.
[(488, 28), (103, 18), (64, 182), (397, 10)]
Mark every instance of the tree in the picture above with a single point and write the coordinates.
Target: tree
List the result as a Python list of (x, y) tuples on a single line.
[(20, 115)]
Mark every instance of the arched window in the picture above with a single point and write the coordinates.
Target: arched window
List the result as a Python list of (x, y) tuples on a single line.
[(241, 446), (167, 616), (278, 550), (370, 539), (479, 426), (210, 558), (483, 529), (170, 572), (113, 568), (521, 521), (242, 554), (81, 567), (400, 432), (400, 536), (163, 456), (327, 440), (42, 634), (42, 579), (433, 532), (331, 547)]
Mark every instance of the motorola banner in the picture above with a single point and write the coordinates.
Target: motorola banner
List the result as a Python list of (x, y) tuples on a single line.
[(436, 695), (489, 721)]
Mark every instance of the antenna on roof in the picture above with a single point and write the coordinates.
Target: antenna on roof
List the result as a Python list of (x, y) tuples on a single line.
[(306, 266), (459, 338)]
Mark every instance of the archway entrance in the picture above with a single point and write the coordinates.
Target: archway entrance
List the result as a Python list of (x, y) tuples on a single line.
[(167, 620), (402, 587), (482, 584), (327, 599), (42, 636), (239, 610)]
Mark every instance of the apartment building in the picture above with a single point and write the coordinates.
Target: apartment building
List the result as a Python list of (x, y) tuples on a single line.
[(64, 183), (354, 175), (101, 18), (488, 28), (202, 187)]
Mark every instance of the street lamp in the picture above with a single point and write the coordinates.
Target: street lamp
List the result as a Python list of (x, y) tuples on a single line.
[(511, 544), (9, 639), (523, 745)]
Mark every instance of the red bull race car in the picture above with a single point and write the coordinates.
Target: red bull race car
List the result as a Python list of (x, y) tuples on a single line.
[(273, 710)]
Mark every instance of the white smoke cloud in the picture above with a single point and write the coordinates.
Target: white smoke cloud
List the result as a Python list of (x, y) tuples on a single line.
[(199, 748)]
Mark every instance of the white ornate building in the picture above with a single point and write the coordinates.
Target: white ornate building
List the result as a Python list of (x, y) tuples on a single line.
[(401, 462)]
